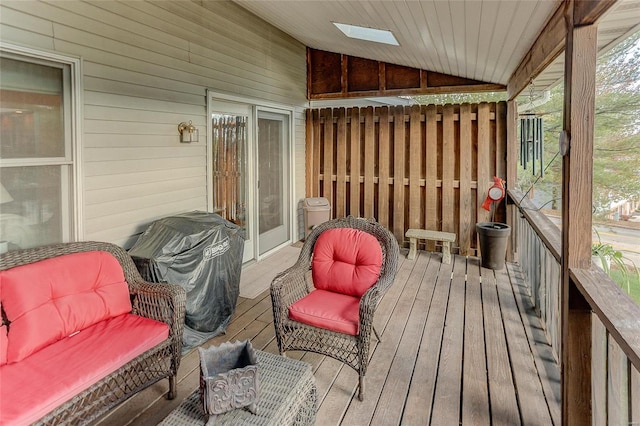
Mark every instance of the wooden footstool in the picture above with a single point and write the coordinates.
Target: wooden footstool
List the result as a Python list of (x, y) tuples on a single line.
[(422, 234), (287, 397)]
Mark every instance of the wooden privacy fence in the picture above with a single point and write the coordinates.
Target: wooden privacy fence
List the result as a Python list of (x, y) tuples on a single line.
[(426, 166)]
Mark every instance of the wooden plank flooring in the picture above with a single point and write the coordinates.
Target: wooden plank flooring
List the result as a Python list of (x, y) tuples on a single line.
[(460, 345)]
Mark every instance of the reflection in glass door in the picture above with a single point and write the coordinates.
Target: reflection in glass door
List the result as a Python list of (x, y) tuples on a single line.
[(273, 180), (230, 143)]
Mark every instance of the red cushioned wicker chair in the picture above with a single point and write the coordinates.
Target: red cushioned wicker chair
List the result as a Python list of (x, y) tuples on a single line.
[(325, 303)]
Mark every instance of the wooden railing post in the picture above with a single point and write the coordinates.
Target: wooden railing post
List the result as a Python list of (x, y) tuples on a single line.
[(577, 171)]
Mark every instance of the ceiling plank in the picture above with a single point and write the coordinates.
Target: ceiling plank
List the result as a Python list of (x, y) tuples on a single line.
[(547, 47), (333, 76)]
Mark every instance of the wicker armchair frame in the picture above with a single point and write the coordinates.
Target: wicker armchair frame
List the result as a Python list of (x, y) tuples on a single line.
[(296, 282), (162, 302)]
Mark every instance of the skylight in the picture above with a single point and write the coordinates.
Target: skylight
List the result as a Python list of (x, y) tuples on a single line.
[(369, 34)]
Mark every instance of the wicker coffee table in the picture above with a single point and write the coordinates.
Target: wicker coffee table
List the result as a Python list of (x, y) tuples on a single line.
[(287, 397)]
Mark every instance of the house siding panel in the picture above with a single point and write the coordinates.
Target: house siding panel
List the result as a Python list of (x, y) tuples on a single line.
[(146, 67)]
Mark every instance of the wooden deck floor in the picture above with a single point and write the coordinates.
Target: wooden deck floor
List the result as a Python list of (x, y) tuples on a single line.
[(460, 345)]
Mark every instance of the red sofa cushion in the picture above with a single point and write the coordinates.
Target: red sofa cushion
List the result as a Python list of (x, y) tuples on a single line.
[(36, 385), (346, 261), (3, 345), (328, 310), (48, 300)]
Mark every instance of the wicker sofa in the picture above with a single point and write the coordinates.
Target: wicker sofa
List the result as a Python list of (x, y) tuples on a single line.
[(70, 326)]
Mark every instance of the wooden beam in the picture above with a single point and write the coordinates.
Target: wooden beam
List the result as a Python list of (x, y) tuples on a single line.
[(587, 12), (577, 174), (544, 50), (336, 76)]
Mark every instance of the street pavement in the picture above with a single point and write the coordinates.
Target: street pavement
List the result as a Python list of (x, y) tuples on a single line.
[(623, 236)]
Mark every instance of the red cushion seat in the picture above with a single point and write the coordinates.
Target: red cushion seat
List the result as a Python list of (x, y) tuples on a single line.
[(44, 380), (328, 310)]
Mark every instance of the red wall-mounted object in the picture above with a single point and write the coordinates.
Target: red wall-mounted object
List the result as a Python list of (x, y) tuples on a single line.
[(496, 193)]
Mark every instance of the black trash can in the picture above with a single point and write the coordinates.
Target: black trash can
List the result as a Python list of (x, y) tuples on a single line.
[(493, 238)]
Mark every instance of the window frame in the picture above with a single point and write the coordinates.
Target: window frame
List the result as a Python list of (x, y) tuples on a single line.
[(73, 229)]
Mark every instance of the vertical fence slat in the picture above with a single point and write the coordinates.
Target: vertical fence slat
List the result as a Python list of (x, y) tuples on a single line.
[(415, 208), (384, 156), (431, 172), (617, 386), (398, 172), (369, 162), (598, 371), (341, 166), (317, 144), (354, 181), (327, 166), (466, 203), (484, 159), (448, 168), (501, 151), (310, 142), (501, 140)]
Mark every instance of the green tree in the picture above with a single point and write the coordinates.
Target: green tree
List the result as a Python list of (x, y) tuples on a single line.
[(616, 163), (459, 98), (616, 159)]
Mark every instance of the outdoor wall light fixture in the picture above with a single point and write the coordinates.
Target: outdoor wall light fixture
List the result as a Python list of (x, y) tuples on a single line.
[(188, 132)]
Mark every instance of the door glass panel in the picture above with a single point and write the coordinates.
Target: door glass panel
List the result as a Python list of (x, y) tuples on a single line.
[(273, 180), (270, 194), (230, 168)]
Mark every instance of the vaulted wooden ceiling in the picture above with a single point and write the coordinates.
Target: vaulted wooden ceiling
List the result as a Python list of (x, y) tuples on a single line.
[(483, 40)]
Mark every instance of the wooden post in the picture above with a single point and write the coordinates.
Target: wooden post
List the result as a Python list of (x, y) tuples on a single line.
[(577, 173), (512, 172)]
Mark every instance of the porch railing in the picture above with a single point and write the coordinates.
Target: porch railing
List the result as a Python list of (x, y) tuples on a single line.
[(615, 337), (538, 245)]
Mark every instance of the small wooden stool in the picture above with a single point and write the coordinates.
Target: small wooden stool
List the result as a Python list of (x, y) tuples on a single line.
[(446, 237)]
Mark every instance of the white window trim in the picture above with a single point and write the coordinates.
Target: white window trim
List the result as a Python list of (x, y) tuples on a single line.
[(76, 108)]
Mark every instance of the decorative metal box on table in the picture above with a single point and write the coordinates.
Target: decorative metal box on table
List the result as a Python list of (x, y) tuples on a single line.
[(288, 396), (229, 378)]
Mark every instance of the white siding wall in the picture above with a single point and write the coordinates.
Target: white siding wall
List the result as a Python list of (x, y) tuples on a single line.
[(146, 68)]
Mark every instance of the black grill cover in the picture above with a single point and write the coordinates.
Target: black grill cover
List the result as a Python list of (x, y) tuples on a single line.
[(202, 252)]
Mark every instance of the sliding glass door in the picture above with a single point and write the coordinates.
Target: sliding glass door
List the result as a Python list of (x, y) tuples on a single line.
[(249, 160)]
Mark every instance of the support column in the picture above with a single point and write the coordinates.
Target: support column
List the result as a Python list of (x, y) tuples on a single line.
[(577, 173)]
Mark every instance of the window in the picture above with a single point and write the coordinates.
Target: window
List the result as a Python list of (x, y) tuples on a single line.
[(37, 156)]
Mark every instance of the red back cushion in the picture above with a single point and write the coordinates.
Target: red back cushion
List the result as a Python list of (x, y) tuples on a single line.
[(51, 299), (346, 261)]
